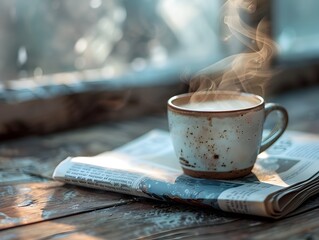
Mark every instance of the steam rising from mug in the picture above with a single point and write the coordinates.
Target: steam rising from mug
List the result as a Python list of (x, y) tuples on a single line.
[(248, 71)]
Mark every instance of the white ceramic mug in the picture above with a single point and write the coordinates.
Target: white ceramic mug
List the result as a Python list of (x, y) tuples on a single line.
[(219, 134)]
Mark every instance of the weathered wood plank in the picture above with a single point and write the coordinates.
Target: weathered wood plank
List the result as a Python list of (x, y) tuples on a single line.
[(153, 220), (305, 226), (47, 115), (34, 202), (121, 222), (40, 155), (14, 176)]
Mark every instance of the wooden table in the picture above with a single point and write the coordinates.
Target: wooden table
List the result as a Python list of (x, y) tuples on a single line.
[(32, 206)]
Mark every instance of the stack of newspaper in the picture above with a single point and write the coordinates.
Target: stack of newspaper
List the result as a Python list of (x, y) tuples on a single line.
[(282, 179)]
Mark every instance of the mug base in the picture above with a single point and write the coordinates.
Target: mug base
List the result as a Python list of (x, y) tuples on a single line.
[(218, 175)]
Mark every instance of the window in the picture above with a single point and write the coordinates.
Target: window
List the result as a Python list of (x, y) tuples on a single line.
[(295, 30), (57, 47)]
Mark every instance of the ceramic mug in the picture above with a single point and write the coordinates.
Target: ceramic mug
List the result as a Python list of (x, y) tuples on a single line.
[(219, 135)]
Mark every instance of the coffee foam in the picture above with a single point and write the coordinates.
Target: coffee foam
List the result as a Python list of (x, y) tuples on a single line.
[(219, 105)]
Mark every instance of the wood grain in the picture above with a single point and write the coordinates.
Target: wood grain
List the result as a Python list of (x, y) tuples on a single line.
[(153, 220), (121, 222), (39, 155), (34, 202), (51, 114)]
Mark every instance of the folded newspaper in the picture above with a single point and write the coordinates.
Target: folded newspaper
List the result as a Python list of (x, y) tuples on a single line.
[(282, 179)]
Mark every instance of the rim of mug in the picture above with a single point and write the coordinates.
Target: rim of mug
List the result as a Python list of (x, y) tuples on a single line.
[(175, 107)]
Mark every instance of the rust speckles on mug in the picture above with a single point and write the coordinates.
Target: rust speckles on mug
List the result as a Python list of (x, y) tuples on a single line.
[(210, 122), (185, 163), (181, 153)]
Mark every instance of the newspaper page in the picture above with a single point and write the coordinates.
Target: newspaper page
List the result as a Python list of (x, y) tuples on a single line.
[(282, 178)]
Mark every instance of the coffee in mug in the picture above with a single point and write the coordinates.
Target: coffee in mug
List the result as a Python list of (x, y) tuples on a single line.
[(219, 134)]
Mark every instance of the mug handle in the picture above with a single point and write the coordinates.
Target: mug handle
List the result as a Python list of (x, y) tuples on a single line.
[(278, 129)]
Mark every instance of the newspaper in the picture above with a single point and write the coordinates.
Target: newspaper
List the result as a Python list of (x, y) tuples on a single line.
[(282, 178)]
